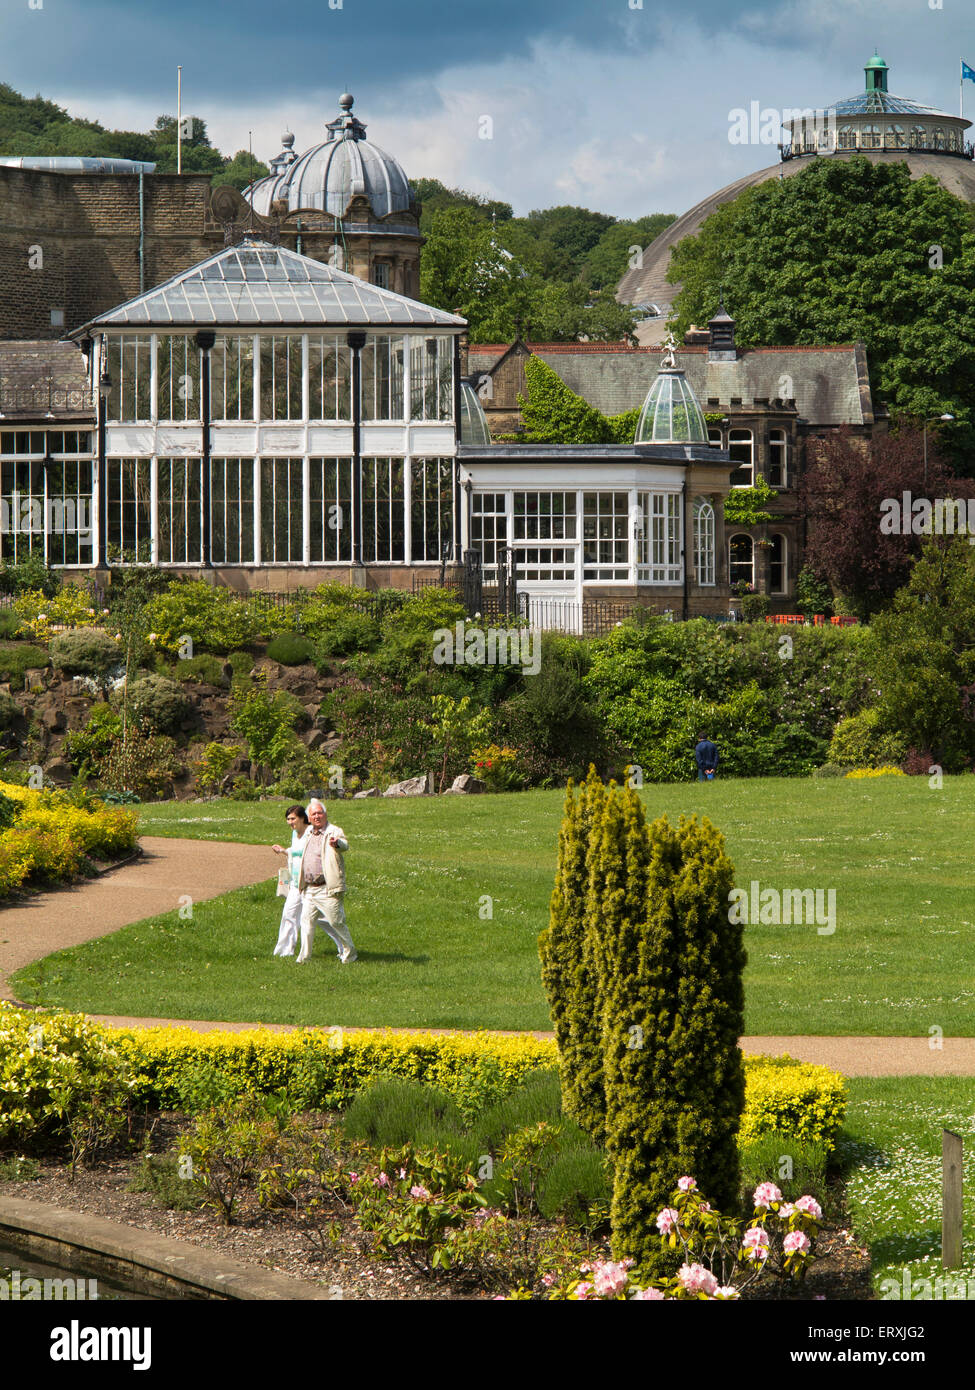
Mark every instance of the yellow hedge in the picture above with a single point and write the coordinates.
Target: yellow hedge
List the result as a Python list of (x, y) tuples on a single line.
[(799, 1098), (326, 1068), (50, 837)]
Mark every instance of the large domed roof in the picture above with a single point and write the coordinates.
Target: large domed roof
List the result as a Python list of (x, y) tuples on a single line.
[(329, 175), (648, 285)]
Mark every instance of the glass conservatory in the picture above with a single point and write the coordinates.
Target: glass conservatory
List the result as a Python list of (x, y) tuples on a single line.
[(263, 408)]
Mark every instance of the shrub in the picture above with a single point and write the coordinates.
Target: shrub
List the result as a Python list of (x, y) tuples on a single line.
[(877, 772), (266, 722), (29, 573), (862, 741), (539, 1098), (215, 619), (205, 669), (577, 1187), (165, 1177), (392, 1113), (20, 658), (291, 649), (157, 704), (241, 662), (86, 651), (9, 810), (568, 973), (50, 1067), (226, 1147), (9, 710), (669, 965), (142, 763), (798, 1098), (830, 770), (42, 615), (214, 765), (88, 746)]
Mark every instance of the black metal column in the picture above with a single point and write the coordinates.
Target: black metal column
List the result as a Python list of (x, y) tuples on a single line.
[(356, 342), (205, 340)]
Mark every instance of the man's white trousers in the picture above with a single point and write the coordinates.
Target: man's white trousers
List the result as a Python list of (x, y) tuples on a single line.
[(319, 902)]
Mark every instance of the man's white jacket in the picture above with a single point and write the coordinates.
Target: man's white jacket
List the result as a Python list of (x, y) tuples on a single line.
[(333, 861)]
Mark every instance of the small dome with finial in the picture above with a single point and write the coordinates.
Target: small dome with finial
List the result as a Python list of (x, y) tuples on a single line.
[(671, 413), (328, 175)]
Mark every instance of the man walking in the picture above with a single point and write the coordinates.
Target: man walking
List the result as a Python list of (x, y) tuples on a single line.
[(706, 757), (321, 882)]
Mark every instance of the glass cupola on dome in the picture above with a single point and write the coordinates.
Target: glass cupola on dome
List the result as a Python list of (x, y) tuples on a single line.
[(671, 414), (473, 422)]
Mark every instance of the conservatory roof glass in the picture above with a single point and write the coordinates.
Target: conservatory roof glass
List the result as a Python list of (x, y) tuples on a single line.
[(256, 285), (671, 414)]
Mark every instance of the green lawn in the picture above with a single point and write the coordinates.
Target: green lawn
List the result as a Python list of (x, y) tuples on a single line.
[(897, 853), (891, 1148)]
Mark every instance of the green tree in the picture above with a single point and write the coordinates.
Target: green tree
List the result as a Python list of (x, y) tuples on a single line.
[(553, 414), (745, 506), (568, 970), (672, 1013), (266, 722), (609, 259), (922, 656), (842, 252), (240, 171)]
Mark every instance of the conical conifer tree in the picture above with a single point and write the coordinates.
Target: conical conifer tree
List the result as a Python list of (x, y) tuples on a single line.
[(672, 1014), (569, 983)]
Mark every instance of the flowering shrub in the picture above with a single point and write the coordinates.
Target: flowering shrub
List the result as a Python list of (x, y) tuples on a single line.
[(722, 1256), (498, 768), (877, 772), (71, 607), (416, 1203), (214, 764), (216, 619)]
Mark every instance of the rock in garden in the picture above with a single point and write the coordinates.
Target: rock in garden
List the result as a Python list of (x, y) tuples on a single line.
[(35, 679), (413, 786), (466, 785), (58, 770), (373, 791)]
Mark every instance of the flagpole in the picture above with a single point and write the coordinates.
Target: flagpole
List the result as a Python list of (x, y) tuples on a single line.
[(179, 120), (961, 88)]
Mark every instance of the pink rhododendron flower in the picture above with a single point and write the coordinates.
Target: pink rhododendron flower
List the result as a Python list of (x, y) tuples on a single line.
[(583, 1291), (810, 1206), (766, 1193), (609, 1279), (420, 1192), (353, 1177), (666, 1220), (786, 1210), (649, 1295), (686, 1184), (697, 1279), (755, 1243), (795, 1242), (727, 1291), (548, 1280)]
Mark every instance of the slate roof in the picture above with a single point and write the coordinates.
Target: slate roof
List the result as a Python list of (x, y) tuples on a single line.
[(256, 284), (41, 377), (830, 383)]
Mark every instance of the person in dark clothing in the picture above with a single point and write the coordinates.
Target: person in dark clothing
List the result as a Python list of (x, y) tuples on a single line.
[(706, 757)]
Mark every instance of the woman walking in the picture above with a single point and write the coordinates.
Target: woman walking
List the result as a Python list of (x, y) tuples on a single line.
[(291, 915)]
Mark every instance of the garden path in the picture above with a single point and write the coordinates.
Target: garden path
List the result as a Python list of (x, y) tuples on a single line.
[(170, 868)]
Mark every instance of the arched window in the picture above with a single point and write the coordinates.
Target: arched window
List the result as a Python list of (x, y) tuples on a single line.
[(919, 137), (741, 449), (714, 437), (848, 137), (704, 541), (777, 564), (939, 137), (778, 471), (741, 560), (870, 139), (895, 139)]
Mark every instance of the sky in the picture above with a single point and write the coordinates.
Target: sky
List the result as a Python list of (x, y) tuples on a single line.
[(623, 106)]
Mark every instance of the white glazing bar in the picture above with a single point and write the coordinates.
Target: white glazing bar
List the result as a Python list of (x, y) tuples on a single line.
[(153, 380), (256, 510), (306, 510), (154, 510)]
